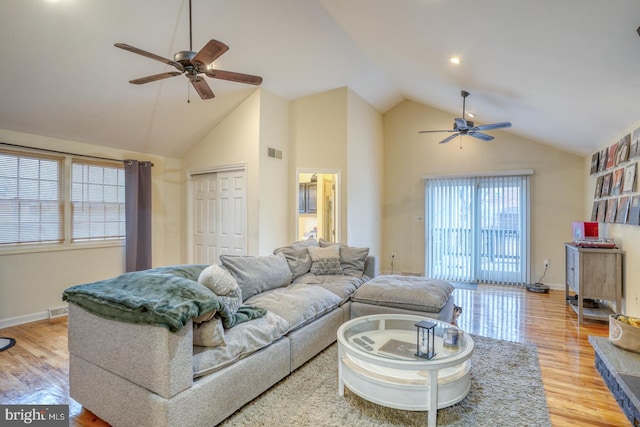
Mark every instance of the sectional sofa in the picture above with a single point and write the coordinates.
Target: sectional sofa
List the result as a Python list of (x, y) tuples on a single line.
[(220, 336)]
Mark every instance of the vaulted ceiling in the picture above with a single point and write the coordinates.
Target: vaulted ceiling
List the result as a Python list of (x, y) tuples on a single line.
[(564, 72)]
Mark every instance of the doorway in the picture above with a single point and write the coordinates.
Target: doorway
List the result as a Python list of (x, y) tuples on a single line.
[(317, 215)]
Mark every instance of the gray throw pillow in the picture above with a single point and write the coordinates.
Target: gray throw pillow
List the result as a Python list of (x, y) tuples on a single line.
[(352, 260), (298, 259), (256, 274), (325, 261)]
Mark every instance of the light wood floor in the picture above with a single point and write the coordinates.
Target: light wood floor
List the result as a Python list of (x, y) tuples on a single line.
[(35, 370)]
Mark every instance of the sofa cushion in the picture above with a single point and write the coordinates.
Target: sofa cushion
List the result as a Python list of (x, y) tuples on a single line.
[(218, 279), (405, 292), (297, 257), (352, 260), (222, 283), (256, 274), (209, 333), (341, 285), (325, 260), (298, 303), (241, 341)]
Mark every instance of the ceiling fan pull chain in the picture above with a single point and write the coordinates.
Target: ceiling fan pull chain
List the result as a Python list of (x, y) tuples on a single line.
[(188, 93)]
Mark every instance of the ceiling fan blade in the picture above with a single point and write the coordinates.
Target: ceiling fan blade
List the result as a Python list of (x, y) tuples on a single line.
[(480, 135), (460, 123), (432, 131), (493, 126), (234, 77), (202, 88), (449, 138), (209, 53), (143, 80), (150, 55)]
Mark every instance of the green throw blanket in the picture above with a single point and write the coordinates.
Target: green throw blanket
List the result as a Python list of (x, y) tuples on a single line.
[(165, 296)]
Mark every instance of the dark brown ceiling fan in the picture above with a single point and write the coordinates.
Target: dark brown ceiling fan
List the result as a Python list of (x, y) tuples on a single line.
[(193, 64), (466, 127)]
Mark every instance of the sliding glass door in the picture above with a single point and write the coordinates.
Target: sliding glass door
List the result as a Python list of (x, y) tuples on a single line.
[(477, 229)]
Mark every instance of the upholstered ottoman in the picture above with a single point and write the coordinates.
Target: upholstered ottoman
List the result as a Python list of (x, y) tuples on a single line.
[(391, 294)]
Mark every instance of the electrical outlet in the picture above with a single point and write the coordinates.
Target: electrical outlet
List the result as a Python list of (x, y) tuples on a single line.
[(546, 263)]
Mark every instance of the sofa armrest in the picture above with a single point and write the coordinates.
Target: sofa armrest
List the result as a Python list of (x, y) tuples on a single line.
[(370, 266), (149, 356)]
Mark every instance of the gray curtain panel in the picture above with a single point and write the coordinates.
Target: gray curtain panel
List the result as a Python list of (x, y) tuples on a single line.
[(137, 178)]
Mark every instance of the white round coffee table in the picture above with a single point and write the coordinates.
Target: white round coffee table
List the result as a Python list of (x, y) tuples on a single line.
[(376, 361)]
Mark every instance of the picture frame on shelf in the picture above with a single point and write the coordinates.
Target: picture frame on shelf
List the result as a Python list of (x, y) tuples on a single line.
[(635, 144), (622, 152), (616, 186), (606, 185), (594, 211), (630, 172), (612, 209), (594, 163), (602, 160), (602, 211), (622, 210), (634, 211), (611, 156), (598, 192)]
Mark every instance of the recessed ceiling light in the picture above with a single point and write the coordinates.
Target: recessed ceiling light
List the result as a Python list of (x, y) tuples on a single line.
[(471, 115), (454, 60)]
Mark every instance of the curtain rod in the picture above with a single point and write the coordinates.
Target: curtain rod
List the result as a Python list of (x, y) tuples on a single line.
[(66, 153)]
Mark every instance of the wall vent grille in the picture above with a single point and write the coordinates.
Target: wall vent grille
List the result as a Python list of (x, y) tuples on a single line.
[(274, 153), (55, 312)]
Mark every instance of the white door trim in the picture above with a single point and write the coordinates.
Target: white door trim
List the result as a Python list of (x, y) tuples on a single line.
[(338, 222)]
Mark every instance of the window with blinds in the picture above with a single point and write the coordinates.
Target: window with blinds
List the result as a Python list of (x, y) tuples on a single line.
[(31, 198), (97, 201), (48, 199)]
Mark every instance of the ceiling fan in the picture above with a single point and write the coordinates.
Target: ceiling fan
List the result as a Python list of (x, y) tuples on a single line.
[(466, 127), (193, 64)]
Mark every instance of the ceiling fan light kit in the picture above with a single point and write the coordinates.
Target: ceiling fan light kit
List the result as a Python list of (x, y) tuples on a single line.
[(467, 127), (193, 64)]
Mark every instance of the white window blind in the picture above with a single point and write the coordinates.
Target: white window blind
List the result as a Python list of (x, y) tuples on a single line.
[(477, 229), (31, 198), (97, 201)]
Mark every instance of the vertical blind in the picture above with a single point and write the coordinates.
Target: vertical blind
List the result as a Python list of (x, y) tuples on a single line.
[(477, 229)]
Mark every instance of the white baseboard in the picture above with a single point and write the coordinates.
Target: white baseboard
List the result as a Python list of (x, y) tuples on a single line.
[(19, 320)]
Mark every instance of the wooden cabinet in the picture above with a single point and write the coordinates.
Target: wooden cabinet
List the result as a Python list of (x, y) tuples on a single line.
[(308, 197), (595, 274)]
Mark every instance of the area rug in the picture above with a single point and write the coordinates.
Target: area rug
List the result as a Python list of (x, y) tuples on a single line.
[(506, 390), (6, 343)]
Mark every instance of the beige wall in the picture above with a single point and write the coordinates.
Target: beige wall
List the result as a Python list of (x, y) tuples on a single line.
[(364, 175), (626, 236), (318, 141), (557, 187), (275, 215), (339, 131), (242, 138), (32, 282)]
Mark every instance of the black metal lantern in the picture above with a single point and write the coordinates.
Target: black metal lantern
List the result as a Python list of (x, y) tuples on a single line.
[(425, 346)]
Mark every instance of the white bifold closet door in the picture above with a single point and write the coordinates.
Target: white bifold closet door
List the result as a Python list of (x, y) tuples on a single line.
[(218, 215)]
